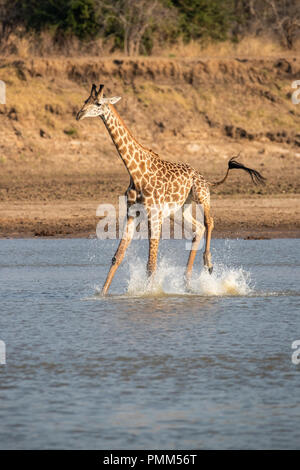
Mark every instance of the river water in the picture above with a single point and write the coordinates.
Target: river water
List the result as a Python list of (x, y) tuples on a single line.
[(149, 368)]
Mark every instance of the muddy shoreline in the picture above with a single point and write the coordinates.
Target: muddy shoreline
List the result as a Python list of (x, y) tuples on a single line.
[(243, 217)]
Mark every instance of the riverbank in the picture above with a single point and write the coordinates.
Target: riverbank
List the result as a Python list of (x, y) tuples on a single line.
[(243, 217), (55, 171)]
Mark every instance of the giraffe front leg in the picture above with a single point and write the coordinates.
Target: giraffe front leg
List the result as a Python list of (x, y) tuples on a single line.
[(120, 253), (152, 259), (154, 229)]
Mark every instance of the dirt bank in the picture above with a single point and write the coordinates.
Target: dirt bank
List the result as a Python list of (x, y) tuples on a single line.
[(200, 111), (253, 217)]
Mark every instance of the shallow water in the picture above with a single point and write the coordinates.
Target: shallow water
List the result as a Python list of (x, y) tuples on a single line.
[(149, 367)]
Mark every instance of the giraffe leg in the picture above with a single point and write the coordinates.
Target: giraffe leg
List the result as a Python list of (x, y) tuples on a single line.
[(209, 225), (119, 255), (198, 229), (200, 192), (152, 259), (154, 229)]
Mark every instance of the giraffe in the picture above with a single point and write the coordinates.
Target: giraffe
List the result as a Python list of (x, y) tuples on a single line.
[(162, 187)]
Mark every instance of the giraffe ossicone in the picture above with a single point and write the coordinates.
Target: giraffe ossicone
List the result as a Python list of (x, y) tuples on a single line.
[(158, 183)]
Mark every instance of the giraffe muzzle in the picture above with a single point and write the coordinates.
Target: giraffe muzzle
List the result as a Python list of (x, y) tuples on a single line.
[(79, 116)]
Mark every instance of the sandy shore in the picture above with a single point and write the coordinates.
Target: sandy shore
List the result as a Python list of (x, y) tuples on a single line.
[(243, 217)]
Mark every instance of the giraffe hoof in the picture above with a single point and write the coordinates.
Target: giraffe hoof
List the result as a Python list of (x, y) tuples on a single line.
[(210, 270)]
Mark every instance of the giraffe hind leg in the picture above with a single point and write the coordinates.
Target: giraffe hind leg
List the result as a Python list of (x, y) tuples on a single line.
[(209, 225), (198, 231), (201, 195)]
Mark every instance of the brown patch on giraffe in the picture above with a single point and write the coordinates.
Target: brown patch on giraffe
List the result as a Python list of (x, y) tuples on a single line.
[(114, 133), (130, 148), (143, 166), (137, 175), (175, 186), (176, 197), (133, 166)]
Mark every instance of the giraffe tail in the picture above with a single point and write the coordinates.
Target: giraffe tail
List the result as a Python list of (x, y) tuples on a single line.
[(256, 177)]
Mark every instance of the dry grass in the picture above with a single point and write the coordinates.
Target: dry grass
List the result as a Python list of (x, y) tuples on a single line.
[(247, 47), (43, 45)]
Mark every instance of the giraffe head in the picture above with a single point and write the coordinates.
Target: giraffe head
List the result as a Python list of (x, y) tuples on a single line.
[(95, 105)]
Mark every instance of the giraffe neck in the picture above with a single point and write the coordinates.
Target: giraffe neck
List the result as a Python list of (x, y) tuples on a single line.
[(130, 151)]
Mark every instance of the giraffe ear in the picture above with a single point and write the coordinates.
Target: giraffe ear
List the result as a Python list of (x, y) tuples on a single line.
[(114, 99)]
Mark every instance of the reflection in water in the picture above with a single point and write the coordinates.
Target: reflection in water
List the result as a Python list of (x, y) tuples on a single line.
[(147, 308)]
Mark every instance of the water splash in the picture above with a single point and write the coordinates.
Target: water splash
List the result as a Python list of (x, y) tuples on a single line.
[(169, 279)]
